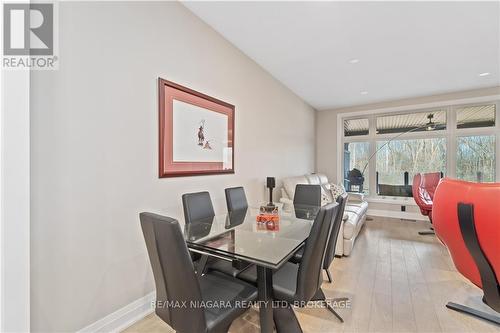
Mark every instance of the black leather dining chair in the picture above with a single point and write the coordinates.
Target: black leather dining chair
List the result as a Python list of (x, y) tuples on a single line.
[(237, 207), (297, 284), (334, 235), (180, 293), (308, 195), (332, 243), (236, 199), (198, 208)]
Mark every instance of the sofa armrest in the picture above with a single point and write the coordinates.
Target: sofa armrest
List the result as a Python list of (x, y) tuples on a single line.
[(355, 197)]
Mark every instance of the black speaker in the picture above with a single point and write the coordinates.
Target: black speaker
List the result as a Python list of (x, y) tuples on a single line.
[(271, 183)]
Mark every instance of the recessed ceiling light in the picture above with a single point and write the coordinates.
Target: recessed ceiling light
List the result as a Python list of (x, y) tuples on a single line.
[(364, 93), (353, 61), (484, 74)]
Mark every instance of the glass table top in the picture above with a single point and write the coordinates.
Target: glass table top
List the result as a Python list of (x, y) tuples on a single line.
[(238, 235)]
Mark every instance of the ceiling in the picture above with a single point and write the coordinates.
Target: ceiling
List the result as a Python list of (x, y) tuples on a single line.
[(404, 49)]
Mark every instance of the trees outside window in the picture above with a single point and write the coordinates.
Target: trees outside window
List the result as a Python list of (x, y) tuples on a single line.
[(476, 158), (412, 156)]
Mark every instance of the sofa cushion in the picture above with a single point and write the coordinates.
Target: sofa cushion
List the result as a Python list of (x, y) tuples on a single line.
[(325, 186), (290, 183), (313, 179), (356, 197), (323, 180), (359, 208)]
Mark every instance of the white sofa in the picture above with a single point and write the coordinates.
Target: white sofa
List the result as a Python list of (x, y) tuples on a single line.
[(354, 215)]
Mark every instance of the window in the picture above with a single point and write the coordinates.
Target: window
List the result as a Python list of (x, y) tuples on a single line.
[(476, 116), (354, 127), (355, 166), (390, 148), (399, 160), (412, 122), (476, 158)]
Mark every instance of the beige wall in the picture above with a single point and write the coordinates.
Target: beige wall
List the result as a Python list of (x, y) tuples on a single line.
[(94, 148), (326, 144), (326, 122)]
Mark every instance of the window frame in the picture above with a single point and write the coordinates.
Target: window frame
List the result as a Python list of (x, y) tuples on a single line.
[(451, 134)]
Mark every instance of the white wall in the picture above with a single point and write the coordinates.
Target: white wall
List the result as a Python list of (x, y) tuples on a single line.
[(94, 148), (15, 202)]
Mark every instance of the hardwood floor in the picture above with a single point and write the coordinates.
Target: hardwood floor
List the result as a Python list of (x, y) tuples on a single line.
[(396, 280)]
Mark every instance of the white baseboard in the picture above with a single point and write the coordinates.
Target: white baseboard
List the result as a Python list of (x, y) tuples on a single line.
[(397, 214), (124, 317)]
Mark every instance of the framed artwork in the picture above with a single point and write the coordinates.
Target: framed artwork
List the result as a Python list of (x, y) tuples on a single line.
[(196, 132)]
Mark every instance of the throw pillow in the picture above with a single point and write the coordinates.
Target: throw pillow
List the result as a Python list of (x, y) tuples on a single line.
[(324, 198), (337, 190)]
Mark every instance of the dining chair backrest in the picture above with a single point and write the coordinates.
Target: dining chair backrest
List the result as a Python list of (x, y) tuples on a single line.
[(310, 276), (235, 218), (236, 198), (197, 206), (174, 275), (309, 195), (334, 234)]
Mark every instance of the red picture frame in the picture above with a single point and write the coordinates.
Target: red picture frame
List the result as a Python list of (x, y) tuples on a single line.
[(183, 149)]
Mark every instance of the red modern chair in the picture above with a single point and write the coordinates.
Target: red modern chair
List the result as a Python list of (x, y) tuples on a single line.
[(466, 218), (424, 186)]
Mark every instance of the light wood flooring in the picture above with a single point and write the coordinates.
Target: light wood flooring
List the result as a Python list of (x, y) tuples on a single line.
[(397, 281)]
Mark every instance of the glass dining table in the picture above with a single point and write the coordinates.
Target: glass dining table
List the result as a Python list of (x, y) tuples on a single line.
[(239, 237)]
